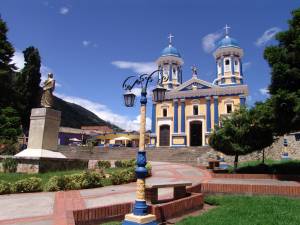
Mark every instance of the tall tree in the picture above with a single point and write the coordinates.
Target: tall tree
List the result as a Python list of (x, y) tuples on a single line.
[(240, 134), (6, 67), (284, 58), (28, 84)]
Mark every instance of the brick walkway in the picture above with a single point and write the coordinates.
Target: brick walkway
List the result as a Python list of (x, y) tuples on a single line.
[(55, 208), (52, 208)]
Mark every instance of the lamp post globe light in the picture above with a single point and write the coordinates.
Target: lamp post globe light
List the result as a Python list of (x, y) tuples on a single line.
[(140, 210)]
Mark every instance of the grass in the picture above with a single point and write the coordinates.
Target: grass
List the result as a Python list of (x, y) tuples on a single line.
[(245, 210), (270, 167)]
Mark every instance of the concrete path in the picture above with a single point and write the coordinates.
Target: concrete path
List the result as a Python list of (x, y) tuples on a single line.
[(50, 208)]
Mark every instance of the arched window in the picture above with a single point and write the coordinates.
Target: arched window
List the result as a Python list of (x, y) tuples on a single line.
[(195, 110), (236, 65), (227, 65), (165, 112)]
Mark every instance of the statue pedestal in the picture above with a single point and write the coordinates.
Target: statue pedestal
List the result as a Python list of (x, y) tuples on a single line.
[(43, 134)]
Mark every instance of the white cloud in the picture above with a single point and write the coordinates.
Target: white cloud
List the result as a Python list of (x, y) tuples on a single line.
[(64, 10), (106, 114), (264, 91), (18, 60), (137, 67), (209, 41), (267, 36), (246, 65), (86, 43)]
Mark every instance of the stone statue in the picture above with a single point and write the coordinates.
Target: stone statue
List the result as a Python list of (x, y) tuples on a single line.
[(48, 88)]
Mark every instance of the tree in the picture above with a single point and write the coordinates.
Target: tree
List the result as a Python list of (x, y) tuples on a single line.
[(6, 67), (28, 84), (263, 119), (9, 124), (240, 134), (286, 111), (284, 58)]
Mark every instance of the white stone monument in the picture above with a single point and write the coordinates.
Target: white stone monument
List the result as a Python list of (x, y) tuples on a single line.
[(43, 134)]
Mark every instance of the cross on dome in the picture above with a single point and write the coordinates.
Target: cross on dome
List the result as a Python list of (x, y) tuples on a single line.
[(226, 28), (170, 38)]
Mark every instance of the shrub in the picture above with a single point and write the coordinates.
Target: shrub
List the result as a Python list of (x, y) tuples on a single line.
[(9, 165), (32, 184), (73, 182), (5, 188), (149, 169), (55, 183), (125, 163), (88, 179), (123, 176), (116, 178), (91, 179), (103, 164)]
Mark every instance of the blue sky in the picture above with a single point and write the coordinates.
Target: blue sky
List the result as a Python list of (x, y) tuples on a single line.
[(91, 46)]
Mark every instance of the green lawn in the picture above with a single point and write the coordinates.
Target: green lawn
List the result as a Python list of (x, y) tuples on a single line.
[(245, 210), (270, 167)]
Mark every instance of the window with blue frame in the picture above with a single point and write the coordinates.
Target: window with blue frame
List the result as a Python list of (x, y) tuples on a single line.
[(233, 80)]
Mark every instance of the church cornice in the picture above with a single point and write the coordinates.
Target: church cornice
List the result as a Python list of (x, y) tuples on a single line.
[(214, 91)]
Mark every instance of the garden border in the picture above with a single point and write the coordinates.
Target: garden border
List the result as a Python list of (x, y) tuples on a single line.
[(256, 176)]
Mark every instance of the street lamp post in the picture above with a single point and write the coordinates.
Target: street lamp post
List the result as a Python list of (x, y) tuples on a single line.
[(140, 211)]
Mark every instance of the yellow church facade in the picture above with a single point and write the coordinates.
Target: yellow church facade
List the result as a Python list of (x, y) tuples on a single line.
[(191, 109)]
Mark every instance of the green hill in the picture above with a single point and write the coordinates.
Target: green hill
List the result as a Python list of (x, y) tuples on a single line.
[(73, 115)]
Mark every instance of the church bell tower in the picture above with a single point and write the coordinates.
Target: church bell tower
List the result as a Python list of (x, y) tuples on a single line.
[(170, 62), (228, 56)]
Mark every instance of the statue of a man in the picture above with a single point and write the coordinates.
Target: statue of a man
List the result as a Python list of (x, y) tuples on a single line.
[(48, 88)]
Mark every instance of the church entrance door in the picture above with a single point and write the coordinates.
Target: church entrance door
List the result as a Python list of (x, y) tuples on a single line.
[(164, 135), (196, 133)]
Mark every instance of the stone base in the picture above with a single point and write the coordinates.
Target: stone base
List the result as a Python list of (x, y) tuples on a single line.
[(40, 153), (131, 219)]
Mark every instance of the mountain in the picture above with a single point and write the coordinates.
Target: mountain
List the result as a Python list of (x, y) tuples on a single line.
[(75, 116)]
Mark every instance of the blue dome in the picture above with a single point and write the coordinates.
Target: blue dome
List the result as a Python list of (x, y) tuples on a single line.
[(228, 42), (170, 50)]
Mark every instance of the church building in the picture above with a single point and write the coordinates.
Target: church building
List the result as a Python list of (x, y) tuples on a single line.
[(192, 108)]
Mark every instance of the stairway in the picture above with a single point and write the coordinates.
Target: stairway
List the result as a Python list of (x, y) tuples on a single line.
[(187, 155)]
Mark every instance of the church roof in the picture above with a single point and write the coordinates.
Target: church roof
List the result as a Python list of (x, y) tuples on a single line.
[(195, 81), (170, 51), (228, 42)]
